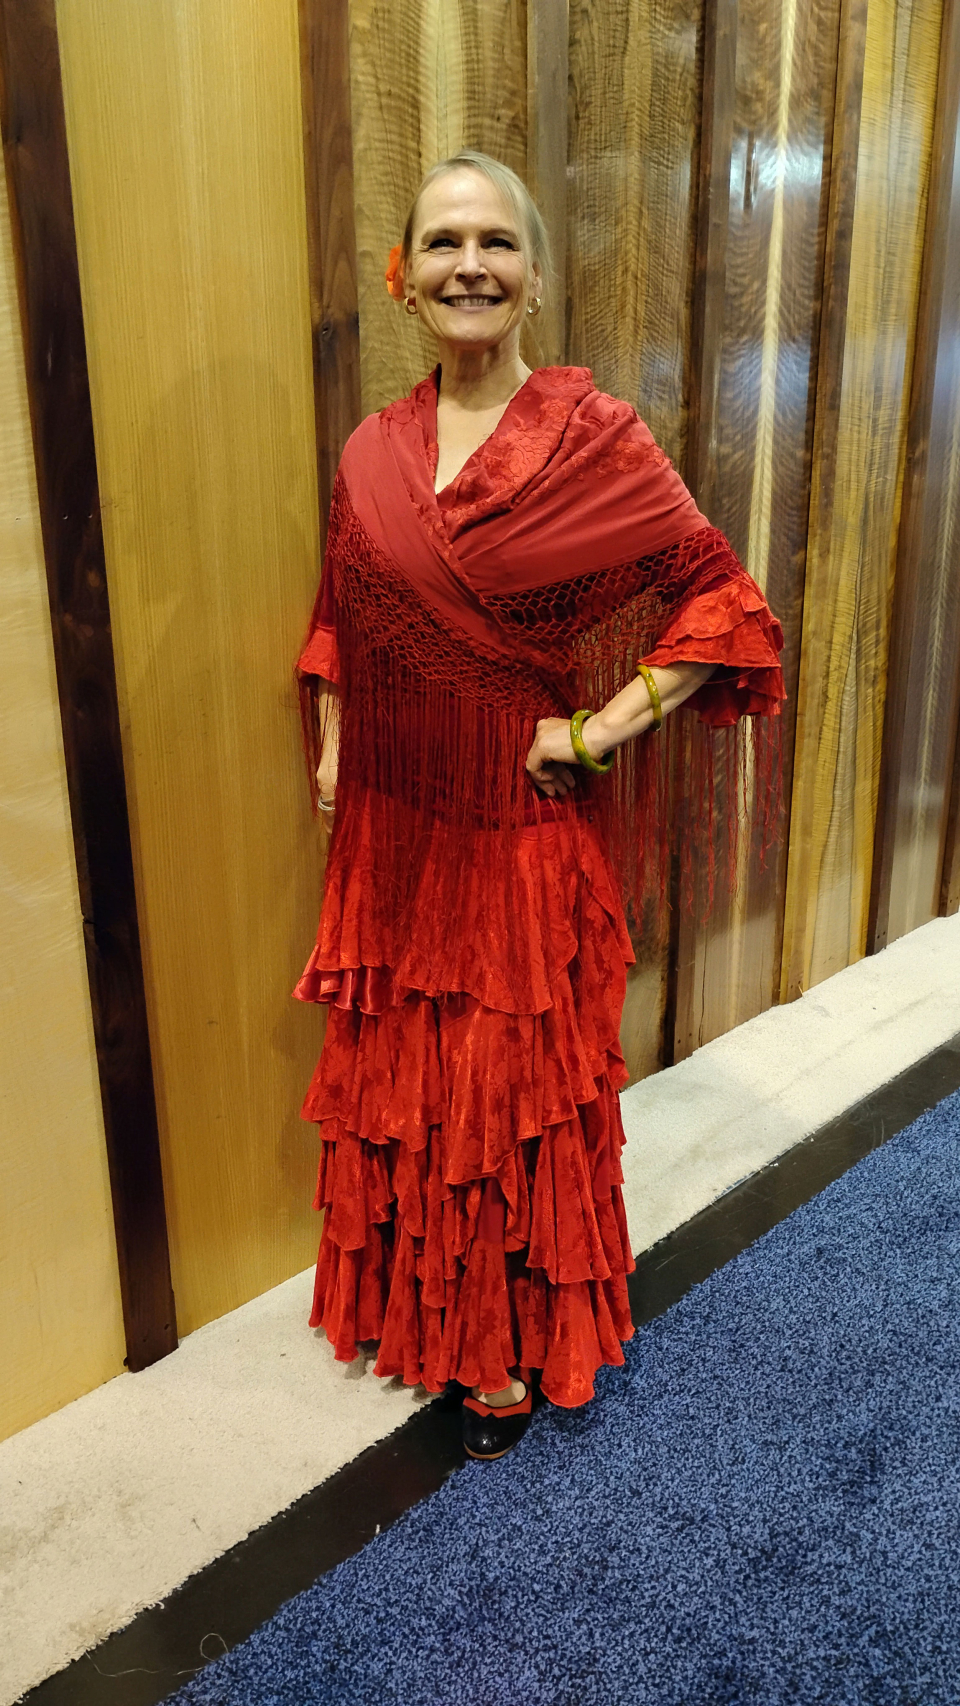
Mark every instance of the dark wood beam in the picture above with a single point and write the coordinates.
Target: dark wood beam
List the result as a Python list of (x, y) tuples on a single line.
[(717, 116), (839, 251), (331, 231), (35, 155), (548, 64)]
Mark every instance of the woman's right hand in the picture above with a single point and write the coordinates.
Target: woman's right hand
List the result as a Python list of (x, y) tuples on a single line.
[(327, 780)]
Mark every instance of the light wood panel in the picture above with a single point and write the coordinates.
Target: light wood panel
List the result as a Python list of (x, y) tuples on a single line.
[(61, 1331), (923, 686), (855, 504), (634, 103), (427, 79), (35, 153), (185, 134)]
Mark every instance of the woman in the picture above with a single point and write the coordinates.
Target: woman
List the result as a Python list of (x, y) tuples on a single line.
[(506, 551)]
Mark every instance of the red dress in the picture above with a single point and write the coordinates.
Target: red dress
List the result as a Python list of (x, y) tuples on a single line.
[(467, 1100)]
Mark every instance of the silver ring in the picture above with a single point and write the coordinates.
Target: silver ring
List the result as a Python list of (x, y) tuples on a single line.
[(326, 805)]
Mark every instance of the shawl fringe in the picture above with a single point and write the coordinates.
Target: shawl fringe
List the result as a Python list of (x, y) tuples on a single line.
[(435, 727)]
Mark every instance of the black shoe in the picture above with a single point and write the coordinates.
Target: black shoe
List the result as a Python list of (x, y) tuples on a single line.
[(490, 1430), (452, 1396)]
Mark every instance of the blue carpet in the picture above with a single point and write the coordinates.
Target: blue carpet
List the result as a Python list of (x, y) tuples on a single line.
[(762, 1508)]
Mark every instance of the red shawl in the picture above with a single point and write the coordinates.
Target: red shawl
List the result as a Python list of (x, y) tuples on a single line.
[(567, 550)]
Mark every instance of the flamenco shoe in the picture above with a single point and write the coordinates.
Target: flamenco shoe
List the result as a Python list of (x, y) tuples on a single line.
[(491, 1430)]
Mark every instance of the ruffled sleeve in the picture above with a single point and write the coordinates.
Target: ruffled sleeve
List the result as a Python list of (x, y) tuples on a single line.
[(320, 655), (729, 625)]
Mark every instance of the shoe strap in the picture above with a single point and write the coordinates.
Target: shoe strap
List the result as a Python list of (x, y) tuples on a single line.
[(521, 1409)]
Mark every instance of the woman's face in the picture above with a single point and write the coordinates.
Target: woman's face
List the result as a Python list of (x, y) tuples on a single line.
[(468, 268)]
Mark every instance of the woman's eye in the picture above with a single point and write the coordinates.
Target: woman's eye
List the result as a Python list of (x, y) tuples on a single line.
[(489, 243)]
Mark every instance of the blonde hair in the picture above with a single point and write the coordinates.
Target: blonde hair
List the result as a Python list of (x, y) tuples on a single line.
[(514, 192)]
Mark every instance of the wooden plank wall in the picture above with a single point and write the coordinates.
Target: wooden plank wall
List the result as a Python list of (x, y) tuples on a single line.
[(745, 186), (186, 146), (741, 188), (427, 78), (54, 343), (61, 1328), (633, 132), (331, 232), (855, 505), (758, 298), (923, 686), (548, 147)]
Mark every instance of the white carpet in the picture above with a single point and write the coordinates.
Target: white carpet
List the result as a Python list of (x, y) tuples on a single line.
[(113, 1501)]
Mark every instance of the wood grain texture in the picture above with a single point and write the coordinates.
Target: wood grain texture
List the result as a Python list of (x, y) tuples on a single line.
[(950, 874), (61, 1323), (855, 506), (923, 684), (758, 298), (186, 152), (35, 152), (427, 78), (714, 161), (331, 229), (548, 71), (950, 878), (634, 103)]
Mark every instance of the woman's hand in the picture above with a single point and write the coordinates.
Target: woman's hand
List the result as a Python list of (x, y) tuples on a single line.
[(552, 762), (551, 756), (327, 783)]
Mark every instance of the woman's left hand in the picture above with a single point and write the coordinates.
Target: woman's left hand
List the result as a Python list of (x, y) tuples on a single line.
[(551, 758)]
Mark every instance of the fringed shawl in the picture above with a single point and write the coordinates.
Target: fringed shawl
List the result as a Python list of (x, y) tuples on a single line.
[(567, 550)]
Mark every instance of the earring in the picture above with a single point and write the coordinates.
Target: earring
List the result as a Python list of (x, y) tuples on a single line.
[(410, 304), (535, 306)]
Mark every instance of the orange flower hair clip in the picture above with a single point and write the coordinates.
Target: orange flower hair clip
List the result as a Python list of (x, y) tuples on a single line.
[(394, 272)]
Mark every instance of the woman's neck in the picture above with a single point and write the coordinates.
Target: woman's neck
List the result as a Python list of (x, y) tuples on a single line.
[(481, 379)]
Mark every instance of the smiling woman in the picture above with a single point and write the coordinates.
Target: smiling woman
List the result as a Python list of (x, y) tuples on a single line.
[(470, 274), (517, 584)]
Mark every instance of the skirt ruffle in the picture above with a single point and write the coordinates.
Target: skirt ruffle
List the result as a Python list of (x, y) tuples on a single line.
[(470, 1173), (514, 931)]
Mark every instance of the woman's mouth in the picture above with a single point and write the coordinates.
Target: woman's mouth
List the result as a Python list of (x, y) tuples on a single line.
[(471, 302)]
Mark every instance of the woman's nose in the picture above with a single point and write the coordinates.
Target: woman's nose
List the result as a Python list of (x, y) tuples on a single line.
[(471, 260)]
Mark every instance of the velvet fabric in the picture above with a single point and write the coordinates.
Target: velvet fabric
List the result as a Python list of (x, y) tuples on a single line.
[(473, 947)]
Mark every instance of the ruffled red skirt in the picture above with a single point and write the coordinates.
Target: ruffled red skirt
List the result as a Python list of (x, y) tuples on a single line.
[(470, 1157)]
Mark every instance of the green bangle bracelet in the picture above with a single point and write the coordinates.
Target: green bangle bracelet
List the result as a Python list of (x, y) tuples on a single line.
[(599, 767), (651, 687)]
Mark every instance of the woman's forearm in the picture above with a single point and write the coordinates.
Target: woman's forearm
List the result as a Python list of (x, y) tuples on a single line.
[(329, 713), (629, 712)]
